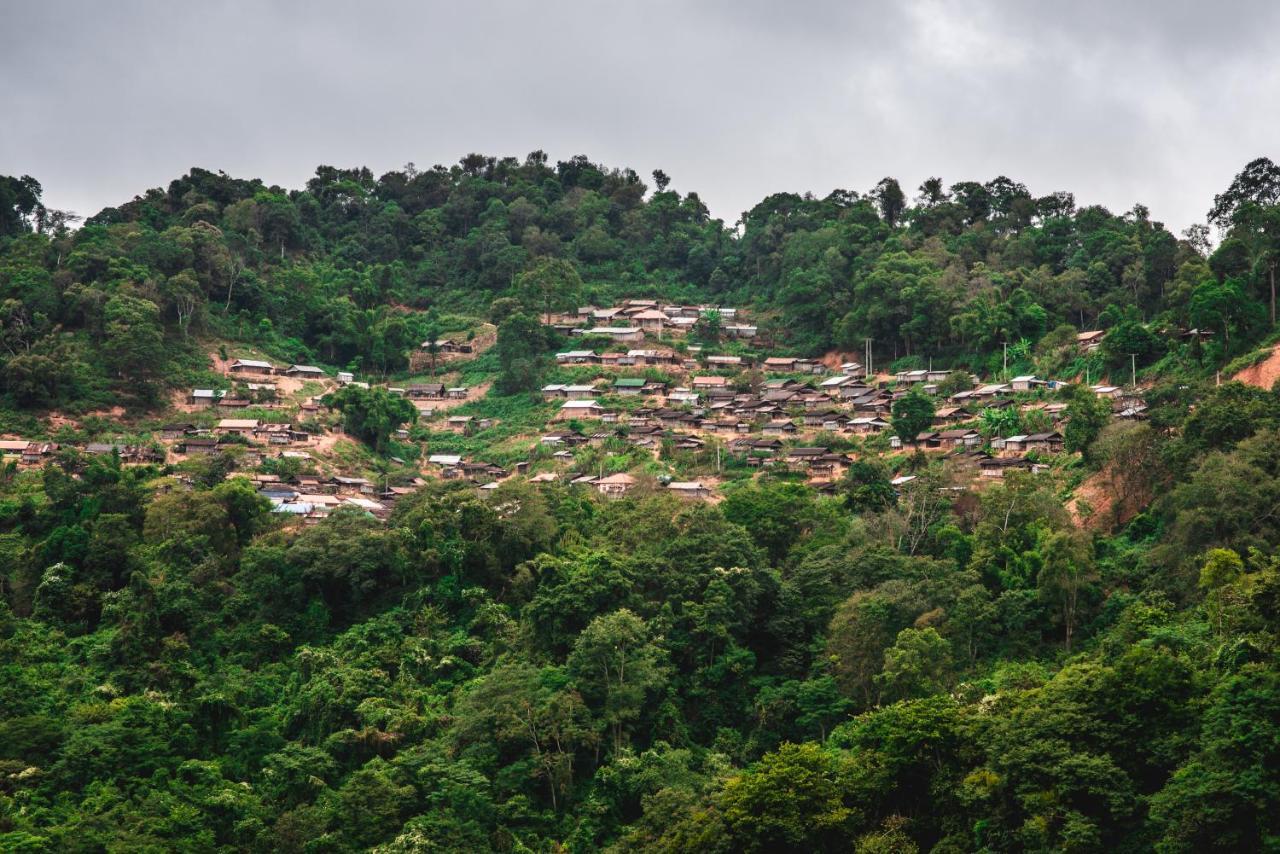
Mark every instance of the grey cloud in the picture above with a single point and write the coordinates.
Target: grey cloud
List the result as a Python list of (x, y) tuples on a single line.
[(1121, 103)]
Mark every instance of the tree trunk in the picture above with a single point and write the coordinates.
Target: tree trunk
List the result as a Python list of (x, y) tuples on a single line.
[(1069, 616), (1271, 274)]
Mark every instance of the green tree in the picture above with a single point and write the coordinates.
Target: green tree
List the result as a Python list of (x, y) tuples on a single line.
[(863, 627), (1220, 800), (866, 486), (960, 380), (800, 798), (617, 664), (534, 709), (917, 665), (1223, 307), (1006, 421), (371, 414), (1130, 343), (892, 201), (1086, 414), (373, 803), (547, 285), (20, 205), (776, 514), (1068, 569), (1258, 228), (912, 414), (135, 340), (502, 308), (522, 356), (1258, 183), (708, 327), (1219, 578)]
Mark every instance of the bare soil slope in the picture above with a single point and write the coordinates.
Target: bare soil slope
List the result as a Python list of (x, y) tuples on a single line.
[(1263, 374)]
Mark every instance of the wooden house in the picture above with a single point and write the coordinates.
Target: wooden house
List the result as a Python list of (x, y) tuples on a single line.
[(253, 367), (629, 386), (1089, 341), (579, 409), (206, 396), (867, 425), (614, 485), (621, 334), (780, 364), (1026, 382), (37, 452), (651, 320), (995, 467), (960, 438), (239, 426), (691, 490), (177, 430), (425, 391), (1050, 443)]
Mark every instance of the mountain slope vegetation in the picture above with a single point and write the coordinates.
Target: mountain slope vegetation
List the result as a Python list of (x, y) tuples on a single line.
[(902, 661)]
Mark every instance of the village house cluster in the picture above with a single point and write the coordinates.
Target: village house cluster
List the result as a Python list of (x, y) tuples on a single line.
[(312, 498), (258, 368), (629, 321), (763, 410), (776, 420)]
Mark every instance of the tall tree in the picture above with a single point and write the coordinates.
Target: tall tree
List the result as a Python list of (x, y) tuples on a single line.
[(1068, 569), (912, 414), (522, 356), (136, 340), (892, 201), (617, 664), (372, 414), (549, 284), (1258, 183), (20, 207), (1258, 226)]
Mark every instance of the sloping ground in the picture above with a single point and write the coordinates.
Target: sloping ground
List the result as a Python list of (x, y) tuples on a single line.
[(833, 359), (1263, 374), (1094, 505), (1090, 504), (486, 335)]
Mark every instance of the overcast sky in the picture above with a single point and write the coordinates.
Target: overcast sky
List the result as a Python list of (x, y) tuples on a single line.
[(1159, 103)]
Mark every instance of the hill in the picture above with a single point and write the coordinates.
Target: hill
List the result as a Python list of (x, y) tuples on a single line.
[(515, 506)]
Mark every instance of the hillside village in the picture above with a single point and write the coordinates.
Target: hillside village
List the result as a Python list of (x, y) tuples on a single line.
[(635, 404), (521, 505)]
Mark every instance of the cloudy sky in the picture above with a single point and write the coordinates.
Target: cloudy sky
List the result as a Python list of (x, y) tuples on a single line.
[(1152, 102)]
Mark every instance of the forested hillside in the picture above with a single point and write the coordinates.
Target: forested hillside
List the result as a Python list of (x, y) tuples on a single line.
[(328, 273), (925, 648)]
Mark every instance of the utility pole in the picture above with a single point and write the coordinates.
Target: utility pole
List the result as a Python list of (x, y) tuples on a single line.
[(1133, 369), (1006, 357)]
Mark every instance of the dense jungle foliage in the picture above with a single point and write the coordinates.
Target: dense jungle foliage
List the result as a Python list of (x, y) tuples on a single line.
[(878, 670)]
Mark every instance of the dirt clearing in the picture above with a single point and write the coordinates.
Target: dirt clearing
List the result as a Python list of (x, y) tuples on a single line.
[(1263, 374)]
